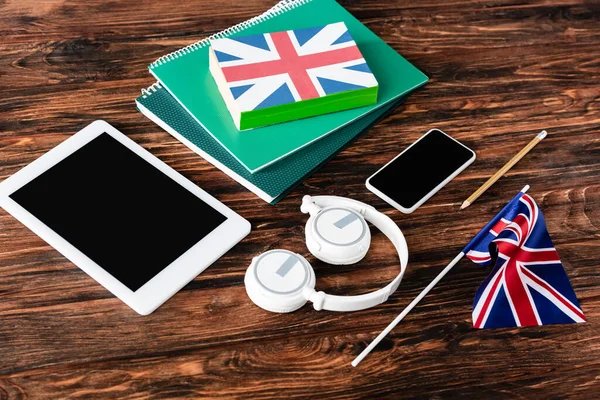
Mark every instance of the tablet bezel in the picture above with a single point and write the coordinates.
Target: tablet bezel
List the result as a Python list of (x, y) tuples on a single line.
[(174, 276)]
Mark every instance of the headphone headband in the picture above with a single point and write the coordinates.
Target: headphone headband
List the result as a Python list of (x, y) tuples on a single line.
[(321, 300)]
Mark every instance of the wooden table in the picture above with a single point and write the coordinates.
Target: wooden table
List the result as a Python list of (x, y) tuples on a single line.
[(500, 72)]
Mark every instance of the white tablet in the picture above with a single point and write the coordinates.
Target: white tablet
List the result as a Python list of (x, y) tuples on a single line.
[(135, 225)]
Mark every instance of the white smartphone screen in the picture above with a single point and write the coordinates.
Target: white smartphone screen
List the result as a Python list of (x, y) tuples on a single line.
[(421, 170)]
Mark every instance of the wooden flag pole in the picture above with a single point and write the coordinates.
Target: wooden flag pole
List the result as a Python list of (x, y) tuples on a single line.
[(412, 305)]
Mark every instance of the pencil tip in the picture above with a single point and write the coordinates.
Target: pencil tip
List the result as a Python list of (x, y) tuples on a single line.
[(464, 205)]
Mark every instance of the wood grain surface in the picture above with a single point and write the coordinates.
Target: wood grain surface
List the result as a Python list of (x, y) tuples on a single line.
[(500, 72)]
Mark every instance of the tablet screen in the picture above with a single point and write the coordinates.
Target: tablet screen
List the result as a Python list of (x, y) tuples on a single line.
[(119, 210)]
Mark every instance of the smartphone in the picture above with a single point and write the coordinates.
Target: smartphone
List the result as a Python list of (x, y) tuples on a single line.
[(420, 171)]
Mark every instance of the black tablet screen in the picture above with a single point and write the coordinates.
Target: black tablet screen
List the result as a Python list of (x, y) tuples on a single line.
[(119, 210)]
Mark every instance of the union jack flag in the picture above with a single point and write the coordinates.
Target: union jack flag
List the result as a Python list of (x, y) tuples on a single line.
[(285, 67), (528, 285)]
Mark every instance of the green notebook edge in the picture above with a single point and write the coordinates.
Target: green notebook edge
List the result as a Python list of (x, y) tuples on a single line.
[(270, 184), (210, 111)]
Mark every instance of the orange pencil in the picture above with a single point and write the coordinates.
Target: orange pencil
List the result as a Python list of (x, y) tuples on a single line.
[(503, 170)]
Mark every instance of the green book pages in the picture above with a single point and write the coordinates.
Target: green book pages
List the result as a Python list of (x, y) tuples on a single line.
[(185, 74), (324, 69), (270, 184)]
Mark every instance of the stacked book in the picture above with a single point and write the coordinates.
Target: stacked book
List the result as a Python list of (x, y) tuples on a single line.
[(270, 109)]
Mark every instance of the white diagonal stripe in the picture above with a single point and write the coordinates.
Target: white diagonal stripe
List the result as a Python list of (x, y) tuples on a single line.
[(478, 253), (248, 54), (526, 287), (550, 296), (510, 302), (337, 72), (484, 296), (263, 88), (323, 40)]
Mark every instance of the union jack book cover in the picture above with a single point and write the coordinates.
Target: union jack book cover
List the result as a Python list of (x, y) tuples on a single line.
[(283, 76)]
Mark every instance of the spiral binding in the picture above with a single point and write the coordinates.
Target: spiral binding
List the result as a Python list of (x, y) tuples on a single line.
[(150, 89), (279, 8)]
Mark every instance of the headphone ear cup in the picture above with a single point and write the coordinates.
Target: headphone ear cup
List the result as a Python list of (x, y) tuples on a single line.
[(271, 306), (279, 281), (312, 244), (338, 235)]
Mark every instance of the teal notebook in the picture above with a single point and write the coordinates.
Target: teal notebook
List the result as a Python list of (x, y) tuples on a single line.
[(185, 74), (270, 184)]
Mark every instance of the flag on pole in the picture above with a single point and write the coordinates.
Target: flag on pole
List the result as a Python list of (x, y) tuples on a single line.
[(528, 285)]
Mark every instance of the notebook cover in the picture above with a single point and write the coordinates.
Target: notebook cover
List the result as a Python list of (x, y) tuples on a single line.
[(186, 76), (270, 184)]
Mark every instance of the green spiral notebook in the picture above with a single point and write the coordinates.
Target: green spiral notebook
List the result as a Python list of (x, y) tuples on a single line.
[(270, 184), (185, 74)]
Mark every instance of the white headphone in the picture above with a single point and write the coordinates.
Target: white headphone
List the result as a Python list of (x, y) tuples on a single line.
[(336, 232)]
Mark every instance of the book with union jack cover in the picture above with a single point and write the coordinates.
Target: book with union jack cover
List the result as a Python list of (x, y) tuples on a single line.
[(186, 76), (277, 77)]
